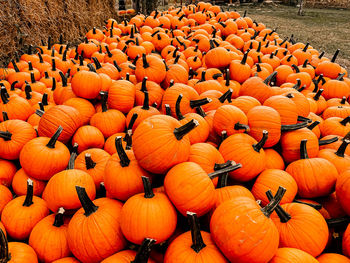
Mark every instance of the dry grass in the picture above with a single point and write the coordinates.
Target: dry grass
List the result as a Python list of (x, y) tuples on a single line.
[(325, 29)]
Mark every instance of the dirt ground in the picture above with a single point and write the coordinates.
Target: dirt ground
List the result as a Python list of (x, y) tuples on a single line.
[(325, 29)]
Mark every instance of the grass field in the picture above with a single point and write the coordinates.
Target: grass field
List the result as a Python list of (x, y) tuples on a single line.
[(325, 29)]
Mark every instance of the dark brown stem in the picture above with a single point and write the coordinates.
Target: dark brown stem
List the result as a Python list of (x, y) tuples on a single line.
[(268, 80), (313, 125), (144, 61), (144, 84), (295, 67), (257, 147), (341, 150), (144, 251), (91, 67), (338, 222), (64, 79), (4, 95), (318, 95), (306, 46), (5, 117), (147, 187), (232, 167), (177, 108), (343, 100), (123, 157), (30, 192), (88, 206), (128, 139), (28, 90), (345, 121), (104, 97), (226, 95), (32, 77), (198, 103), (303, 150), (282, 214), (44, 99), (245, 56), (73, 156), (184, 129), (41, 106), (335, 55), (51, 144), (146, 101), (240, 126), (13, 84), (4, 249), (40, 113), (97, 63), (89, 163), (197, 240), (293, 127), (167, 109), (59, 218), (329, 141), (271, 206)]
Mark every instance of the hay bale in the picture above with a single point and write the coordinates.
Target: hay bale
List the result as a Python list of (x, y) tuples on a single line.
[(24, 22)]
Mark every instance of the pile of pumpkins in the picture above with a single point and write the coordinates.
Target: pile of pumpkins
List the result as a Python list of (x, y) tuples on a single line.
[(190, 135)]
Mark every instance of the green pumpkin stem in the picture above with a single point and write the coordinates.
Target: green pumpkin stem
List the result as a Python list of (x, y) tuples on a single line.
[(313, 125), (73, 156), (89, 163), (199, 102), (144, 251), (147, 187), (88, 206), (228, 168), (345, 121), (271, 206), (124, 159), (257, 147), (328, 141), (4, 249), (240, 126), (335, 55), (59, 218), (197, 240), (145, 105), (30, 192), (341, 150), (282, 214), (303, 150), (5, 117), (177, 108), (315, 206), (4, 95), (184, 129), (51, 144), (104, 97)]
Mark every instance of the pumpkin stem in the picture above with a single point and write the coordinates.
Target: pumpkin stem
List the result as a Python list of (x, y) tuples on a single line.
[(128, 139), (143, 84), (329, 141), (146, 101), (41, 106), (335, 55), (222, 180), (30, 191), (147, 187), (303, 150), (318, 95), (282, 214), (306, 46), (167, 109), (293, 127), (302, 118), (338, 222), (177, 108), (109, 54), (201, 112), (245, 56), (343, 100), (73, 155), (197, 240), (257, 147), (321, 55), (53, 67), (6, 135), (89, 163), (4, 249), (226, 96), (144, 61), (88, 206), (104, 97), (341, 150), (143, 253), (51, 144), (200, 102), (15, 65), (91, 67), (64, 79), (315, 206), (32, 77), (44, 99), (53, 84), (305, 63), (228, 167), (5, 117), (313, 125), (240, 126), (268, 80), (13, 84), (97, 63), (28, 90), (270, 207), (345, 121), (227, 78), (59, 217), (341, 76), (132, 121), (4, 95), (40, 113), (295, 67), (124, 159), (184, 129)]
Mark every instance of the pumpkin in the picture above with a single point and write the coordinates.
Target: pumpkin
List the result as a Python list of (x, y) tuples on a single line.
[(306, 174), (273, 159), (160, 136), (7, 172), (88, 137), (244, 149), (60, 189), (121, 95), (49, 238), (338, 157), (332, 258), (21, 214), (43, 157), (342, 191), (15, 106), (5, 197), (84, 107), (95, 217), (149, 207), (123, 175), (286, 254), (66, 260), (194, 245), (243, 231), (150, 66), (19, 184), (301, 226)]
